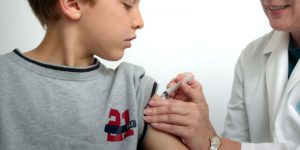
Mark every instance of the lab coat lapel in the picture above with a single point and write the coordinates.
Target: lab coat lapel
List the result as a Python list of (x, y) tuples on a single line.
[(276, 72)]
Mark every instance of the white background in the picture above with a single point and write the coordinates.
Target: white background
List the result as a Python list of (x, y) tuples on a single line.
[(203, 37)]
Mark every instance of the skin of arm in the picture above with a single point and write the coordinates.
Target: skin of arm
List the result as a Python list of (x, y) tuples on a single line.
[(158, 140)]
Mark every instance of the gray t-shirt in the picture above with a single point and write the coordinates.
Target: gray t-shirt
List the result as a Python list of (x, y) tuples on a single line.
[(52, 107)]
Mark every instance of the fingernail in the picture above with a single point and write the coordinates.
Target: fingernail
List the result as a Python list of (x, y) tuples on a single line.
[(189, 82), (147, 118), (148, 111), (154, 124)]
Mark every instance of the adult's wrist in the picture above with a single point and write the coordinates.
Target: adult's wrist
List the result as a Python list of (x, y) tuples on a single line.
[(228, 144), (206, 140)]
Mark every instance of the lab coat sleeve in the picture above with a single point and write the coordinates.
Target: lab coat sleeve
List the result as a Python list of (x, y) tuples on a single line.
[(236, 123), (267, 146)]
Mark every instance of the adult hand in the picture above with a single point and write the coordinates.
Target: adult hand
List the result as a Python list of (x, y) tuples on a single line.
[(184, 114)]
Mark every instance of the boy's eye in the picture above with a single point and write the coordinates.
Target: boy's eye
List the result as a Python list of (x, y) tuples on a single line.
[(127, 6)]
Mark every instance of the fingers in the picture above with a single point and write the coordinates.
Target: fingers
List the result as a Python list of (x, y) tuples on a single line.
[(155, 97), (179, 78), (169, 119), (193, 91), (156, 102), (189, 91), (167, 107), (173, 112)]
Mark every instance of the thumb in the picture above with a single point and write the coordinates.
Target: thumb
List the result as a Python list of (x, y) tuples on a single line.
[(193, 91)]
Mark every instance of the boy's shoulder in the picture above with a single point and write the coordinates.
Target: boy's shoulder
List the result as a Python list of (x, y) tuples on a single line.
[(127, 72), (132, 71), (4, 58), (124, 70), (6, 66), (129, 68), (9, 61)]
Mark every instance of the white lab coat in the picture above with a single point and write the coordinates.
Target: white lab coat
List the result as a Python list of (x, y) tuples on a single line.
[(262, 110)]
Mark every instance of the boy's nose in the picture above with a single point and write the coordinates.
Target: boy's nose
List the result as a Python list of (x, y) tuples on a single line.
[(138, 22)]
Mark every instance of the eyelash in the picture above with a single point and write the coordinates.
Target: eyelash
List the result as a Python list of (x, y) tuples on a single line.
[(127, 6)]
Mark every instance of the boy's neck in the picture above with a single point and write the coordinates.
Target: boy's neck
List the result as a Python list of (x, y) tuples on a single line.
[(61, 46)]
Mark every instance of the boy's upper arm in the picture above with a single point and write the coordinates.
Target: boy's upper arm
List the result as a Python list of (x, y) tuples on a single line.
[(157, 140)]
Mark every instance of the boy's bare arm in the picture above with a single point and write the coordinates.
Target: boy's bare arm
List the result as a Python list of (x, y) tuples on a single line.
[(158, 140)]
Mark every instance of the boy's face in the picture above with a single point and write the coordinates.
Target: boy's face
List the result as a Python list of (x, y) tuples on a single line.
[(283, 15), (107, 27)]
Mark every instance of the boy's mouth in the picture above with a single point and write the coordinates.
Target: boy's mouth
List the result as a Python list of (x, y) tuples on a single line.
[(130, 39)]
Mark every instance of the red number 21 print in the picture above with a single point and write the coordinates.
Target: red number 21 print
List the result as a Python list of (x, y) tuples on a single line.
[(115, 131)]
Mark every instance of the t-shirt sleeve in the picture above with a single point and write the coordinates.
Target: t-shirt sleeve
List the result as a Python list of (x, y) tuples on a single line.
[(143, 86), (146, 89), (144, 125)]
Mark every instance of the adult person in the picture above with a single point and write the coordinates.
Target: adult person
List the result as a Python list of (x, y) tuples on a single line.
[(264, 109)]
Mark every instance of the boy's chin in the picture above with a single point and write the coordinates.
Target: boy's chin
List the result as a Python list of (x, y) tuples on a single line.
[(114, 58), (117, 57)]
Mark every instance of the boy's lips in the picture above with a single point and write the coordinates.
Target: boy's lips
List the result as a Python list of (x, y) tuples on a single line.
[(127, 41), (130, 39)]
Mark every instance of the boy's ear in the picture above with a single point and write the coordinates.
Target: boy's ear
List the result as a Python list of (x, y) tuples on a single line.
[(70, 8)]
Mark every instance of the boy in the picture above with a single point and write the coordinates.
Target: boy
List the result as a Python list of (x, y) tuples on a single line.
[(58, 96)]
